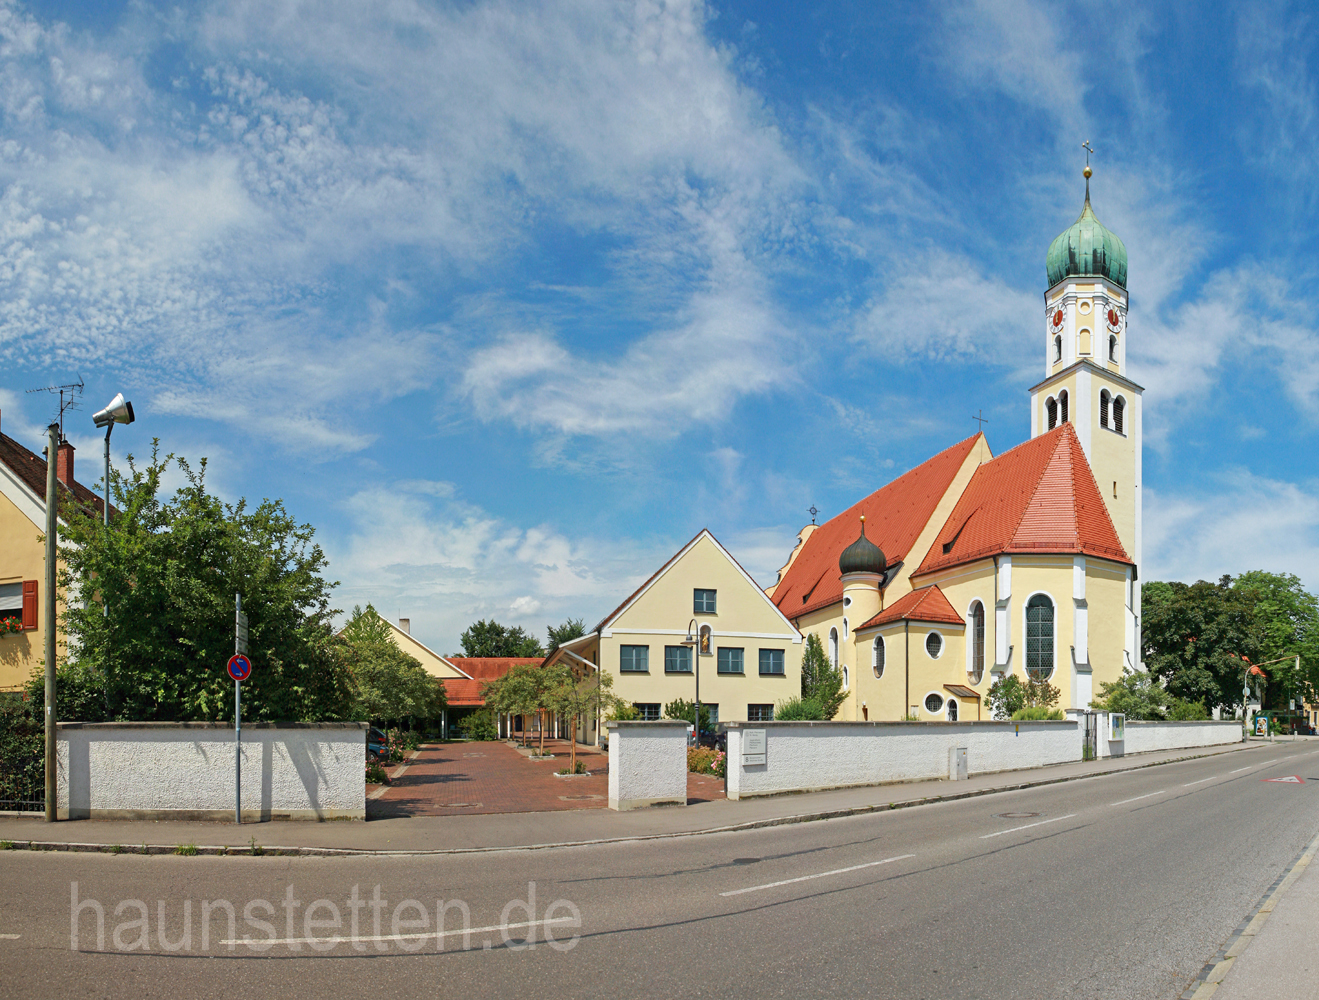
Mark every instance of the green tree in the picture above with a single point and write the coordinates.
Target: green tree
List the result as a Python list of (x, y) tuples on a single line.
[(682, 710), (489, 638), (821, 681), (391, 683), (1195, 636), (524, 690), (150, 603), (1009, 695), (577, 693), (573, 628), (799, 710)]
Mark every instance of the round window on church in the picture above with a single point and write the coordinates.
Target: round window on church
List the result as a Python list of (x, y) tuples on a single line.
[(1084, 308), (934, 645), (934, 703)]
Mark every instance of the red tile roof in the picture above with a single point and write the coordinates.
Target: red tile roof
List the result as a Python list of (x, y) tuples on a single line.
[(924, 605), (461, 691), (31, 469), (1039, 497), (895, 515)]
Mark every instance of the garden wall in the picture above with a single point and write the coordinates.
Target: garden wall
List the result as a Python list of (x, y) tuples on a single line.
[(805, 756), (185, 770), (1143, 737), (647, 764)]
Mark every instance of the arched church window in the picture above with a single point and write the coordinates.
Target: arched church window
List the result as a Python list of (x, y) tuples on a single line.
[(1119, 405), (1039, 637), (1052, 407), (833, 648), (1057, 349), (877, 656), (1112, 348), (1062, 406), (1103, 408), (976, 667)]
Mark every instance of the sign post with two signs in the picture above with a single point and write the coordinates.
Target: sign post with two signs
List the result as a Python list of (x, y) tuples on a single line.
[(240, 669)]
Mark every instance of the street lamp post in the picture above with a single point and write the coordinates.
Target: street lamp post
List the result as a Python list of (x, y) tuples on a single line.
[(693, 640), (1245, 687), (120, 411)]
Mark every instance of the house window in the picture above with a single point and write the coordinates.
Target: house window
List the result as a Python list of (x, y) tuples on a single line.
[(760, 713), (1062, 406), (934, 702), (714, 712), (730, 661), (677, 659), (934, 645), (634, 659), (1039, 637), (833, 648), (877, 656), (649, 711), (19, 600), (1052, 407), (703, 602), (1119, 407), (976, 668), (771, 662)]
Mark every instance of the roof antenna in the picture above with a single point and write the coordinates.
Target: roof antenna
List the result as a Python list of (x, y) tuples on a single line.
[(69, 393), (813, 512)]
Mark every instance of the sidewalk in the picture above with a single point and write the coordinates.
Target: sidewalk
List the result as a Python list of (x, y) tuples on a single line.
[(1276, 954), (468, 833)]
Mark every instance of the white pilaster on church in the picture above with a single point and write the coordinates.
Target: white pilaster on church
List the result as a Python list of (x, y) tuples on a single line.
[(1002, 618)]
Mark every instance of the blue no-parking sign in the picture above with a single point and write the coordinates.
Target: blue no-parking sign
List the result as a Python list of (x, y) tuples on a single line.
[(239, 666)]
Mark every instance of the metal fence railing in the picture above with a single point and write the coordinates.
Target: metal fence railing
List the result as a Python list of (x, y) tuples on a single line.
[(23, 785)]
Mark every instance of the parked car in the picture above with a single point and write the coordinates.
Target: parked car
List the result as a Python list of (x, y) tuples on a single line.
[(377, 745)]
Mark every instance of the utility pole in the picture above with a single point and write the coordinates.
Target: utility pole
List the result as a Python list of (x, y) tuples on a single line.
[(52, 550)]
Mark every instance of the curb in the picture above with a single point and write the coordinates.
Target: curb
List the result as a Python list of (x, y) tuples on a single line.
[(1215, 971), (759, 824)]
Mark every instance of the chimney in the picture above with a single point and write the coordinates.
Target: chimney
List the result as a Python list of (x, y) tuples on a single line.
[(406, 625), (64, 464)]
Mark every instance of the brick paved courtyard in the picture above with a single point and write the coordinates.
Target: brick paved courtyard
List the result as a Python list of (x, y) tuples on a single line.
[(453, 779)]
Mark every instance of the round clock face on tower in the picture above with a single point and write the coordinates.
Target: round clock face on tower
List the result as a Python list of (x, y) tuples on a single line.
[(1058, 319), (1114, 321)]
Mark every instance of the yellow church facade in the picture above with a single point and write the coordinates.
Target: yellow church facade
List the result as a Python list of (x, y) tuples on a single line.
[(973, 567)]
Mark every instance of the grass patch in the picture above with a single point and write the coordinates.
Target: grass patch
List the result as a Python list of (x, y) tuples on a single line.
[(6, 845), (255, 849), (186, 850), (116, 848)]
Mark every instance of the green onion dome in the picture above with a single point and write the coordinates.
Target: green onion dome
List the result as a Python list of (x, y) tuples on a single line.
[(1086, 248), (862, 556)]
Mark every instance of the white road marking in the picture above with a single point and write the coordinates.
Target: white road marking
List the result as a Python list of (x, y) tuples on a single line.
[(1028, 826), (1139, 797), (807, 878), (10, 937), (1240, 769), (266, 942), (1202, 780)]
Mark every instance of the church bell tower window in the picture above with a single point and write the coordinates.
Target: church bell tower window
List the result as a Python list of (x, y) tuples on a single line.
[(1062, 405), (1103, 408), (1119, 405), (1052, 407)]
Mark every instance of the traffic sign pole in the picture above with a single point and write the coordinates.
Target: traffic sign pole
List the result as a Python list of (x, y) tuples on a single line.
[(239, 623)]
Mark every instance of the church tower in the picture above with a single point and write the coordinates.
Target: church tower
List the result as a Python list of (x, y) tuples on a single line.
[(1086, 383)]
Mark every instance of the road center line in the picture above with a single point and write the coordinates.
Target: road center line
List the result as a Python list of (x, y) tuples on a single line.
[(335, 940), (1240, 769), (1139, 797), (807, 878), (1029, 825), (10, 937), (1202, 780)]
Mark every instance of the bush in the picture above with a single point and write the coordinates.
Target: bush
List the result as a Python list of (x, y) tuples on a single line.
[(1037, 713), (706, 760), (22, 751), (1009, 694), (81, 694), (375, 774), (623, 711), (799, 710), (579, 769), (479, 726), (1184, 710)]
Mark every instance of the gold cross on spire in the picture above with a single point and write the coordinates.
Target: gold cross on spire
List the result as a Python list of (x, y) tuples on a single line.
[(1088, 150)]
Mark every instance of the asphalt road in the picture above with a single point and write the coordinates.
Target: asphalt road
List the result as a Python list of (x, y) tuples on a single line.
[(1113, 887)]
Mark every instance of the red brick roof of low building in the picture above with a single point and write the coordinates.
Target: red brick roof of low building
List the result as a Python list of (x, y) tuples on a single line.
[(1040, 497), (31, 469), (928, 604), (480, 670), (895, 515)]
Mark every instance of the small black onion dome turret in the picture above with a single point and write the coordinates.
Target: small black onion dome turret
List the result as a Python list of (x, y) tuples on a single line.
[(862, 556)]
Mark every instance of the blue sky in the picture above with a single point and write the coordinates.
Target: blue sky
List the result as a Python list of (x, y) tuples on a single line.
[(510, 300)]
